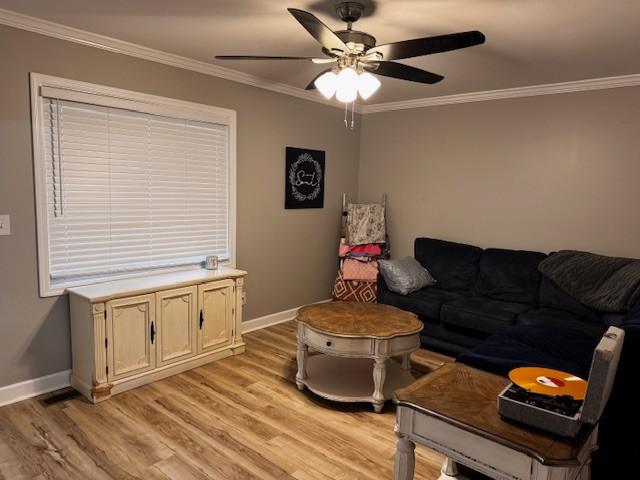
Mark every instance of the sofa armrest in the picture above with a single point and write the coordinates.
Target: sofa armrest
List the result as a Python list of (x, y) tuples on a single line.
[(381, 288)]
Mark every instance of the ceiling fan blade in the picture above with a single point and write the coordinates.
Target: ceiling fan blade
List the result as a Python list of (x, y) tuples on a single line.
[(261, 57), (318, 30), (312, 85), (428, 45), (403, 72)]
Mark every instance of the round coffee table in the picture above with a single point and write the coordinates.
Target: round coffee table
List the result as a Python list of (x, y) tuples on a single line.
[(348, 336)]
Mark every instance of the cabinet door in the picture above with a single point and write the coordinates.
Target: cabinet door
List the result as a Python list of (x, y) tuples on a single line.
[(176, 314), (131, 335), (216, 301)]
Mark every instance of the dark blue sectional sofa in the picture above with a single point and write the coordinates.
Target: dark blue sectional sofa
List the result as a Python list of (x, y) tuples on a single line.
[(495, 311), (480, 293)]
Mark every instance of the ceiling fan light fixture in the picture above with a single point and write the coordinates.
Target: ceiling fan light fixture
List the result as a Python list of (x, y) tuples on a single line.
[(348, 82), (327, 83), (367, 85)]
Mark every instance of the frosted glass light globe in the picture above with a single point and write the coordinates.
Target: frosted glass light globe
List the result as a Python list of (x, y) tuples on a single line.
[(367, 85), (327, 84), (347, 85)]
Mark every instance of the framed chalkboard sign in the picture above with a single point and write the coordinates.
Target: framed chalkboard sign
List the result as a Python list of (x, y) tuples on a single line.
[(304, 178)]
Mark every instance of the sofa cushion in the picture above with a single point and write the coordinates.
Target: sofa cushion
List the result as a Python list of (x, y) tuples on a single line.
[(453, 265), (426, 302), (459, 336), (522, 345), (481, 314), (509, 275), (550, 318), (552, 296), (447, 346)]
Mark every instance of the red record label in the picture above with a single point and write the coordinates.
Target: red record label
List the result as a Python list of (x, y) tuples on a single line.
[(550, 381)]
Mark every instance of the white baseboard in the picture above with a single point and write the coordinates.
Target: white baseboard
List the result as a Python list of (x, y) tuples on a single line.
[(272, 319), (36, 386)]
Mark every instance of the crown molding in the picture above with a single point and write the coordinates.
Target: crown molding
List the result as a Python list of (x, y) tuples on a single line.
[(530, 91), (83, 37)]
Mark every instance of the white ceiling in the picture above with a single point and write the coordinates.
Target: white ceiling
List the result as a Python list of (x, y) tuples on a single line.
[(529, 42)]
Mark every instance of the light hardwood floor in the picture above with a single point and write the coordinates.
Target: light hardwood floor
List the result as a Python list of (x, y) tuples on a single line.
[(238, 418)]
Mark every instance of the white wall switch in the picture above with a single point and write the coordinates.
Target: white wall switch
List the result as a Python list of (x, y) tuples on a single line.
[(5, 225)]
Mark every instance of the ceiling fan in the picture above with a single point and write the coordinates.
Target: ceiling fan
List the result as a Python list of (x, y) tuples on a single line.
[(356, 55)]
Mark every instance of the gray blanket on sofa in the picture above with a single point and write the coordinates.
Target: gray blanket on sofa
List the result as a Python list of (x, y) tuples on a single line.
[(607, 284)]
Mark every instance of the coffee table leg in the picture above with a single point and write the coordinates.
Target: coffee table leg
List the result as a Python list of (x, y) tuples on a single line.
[(406, 361), (303, 350), (449, 470), (405, 459), (379, 374)]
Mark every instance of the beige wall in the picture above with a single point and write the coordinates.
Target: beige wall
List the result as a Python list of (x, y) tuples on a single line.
[(541, 173), (290, 254)]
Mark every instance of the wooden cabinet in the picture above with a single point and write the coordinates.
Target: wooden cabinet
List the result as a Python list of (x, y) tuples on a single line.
[(176, 312), (130, 336), (216, 311), (130, 332)]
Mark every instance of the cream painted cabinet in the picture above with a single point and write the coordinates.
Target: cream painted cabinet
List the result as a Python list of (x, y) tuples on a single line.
[(130, 332), (131, 336), (176, 312), (216, 302)]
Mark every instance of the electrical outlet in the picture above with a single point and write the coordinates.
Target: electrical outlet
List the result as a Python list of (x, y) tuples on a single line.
[(5, 225)]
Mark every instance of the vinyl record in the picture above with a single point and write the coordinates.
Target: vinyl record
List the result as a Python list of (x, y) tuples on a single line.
[(549, 382)]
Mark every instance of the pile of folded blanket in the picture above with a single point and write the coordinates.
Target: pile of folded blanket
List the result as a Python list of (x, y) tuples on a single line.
[(363, 241)]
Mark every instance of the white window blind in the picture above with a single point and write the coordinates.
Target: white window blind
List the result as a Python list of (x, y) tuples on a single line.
[(128, 191)]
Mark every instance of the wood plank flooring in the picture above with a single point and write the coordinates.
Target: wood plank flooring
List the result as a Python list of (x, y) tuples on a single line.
[(238, 418)]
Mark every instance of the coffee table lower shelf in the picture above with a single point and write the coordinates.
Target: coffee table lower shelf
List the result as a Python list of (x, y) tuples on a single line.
[(343, 379)]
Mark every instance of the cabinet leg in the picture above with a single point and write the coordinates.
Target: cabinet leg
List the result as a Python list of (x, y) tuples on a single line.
[(303, 352), (406, 361), (405, 459), (379, 374), (100, 393)]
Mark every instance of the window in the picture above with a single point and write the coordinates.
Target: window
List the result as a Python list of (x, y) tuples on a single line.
[(128, 183)]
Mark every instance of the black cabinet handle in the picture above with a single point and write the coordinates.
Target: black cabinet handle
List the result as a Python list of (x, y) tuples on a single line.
[(153, 331), (201, 319), (328, 343)]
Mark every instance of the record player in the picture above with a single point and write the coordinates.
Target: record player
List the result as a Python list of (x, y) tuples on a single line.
[(560, 402)]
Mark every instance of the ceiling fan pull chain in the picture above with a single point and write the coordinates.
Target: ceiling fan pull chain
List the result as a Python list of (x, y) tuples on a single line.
[(353, 109), (346, 125)]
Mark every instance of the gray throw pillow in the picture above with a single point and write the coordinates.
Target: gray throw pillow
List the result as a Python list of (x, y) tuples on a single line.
[(405, 276)]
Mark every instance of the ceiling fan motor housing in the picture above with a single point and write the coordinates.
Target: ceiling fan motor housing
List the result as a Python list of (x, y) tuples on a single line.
[(357, 38), (357, 41)]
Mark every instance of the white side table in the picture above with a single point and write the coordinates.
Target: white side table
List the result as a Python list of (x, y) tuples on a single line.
[(453, 411)]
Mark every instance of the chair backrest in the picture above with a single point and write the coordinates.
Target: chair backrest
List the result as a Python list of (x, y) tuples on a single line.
[(602, 375)]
